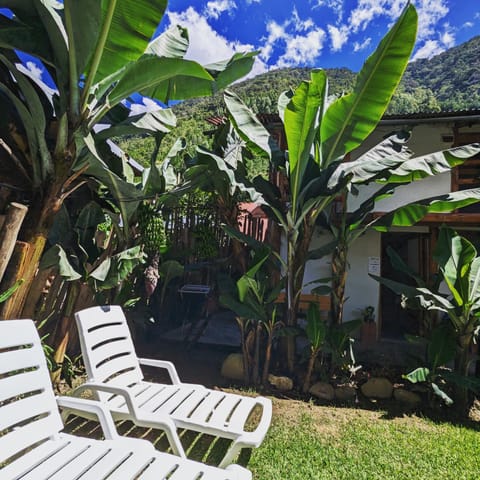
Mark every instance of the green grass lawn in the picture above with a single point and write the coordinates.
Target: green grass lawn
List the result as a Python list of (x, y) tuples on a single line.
[(308, 442), (313, 442)]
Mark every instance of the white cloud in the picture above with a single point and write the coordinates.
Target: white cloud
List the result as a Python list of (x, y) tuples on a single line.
[(249, 2), (302, 49), (468, 25), (276, 33), (430, 12), (299, 24), (365, 12), (338, 36), (448, 39), (357, 47), (429, 49), (300, 39), (206, 45), (215, 8), (147, 105)]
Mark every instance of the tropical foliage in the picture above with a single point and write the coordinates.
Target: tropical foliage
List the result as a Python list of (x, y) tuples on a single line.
[(459, 268), (56, 134)]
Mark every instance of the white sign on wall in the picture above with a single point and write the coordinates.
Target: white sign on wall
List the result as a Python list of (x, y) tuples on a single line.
[(374, 265)]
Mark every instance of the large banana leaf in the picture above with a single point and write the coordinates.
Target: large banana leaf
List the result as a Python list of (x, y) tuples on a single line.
[(382, 158), (126, 31), (58, 258), (182, 86), (350, 119), (169, 77), (228, 71), (157, 121), (113, 270), (454, 255), (247, 125), (126, 194), (31, 39), (431, 164), (474, 283), (173, 43), (300, 118), (32, 104), (83, 21), (412, 213), (427, 299)]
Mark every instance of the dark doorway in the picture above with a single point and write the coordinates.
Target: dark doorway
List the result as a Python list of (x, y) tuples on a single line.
[(413, 248)]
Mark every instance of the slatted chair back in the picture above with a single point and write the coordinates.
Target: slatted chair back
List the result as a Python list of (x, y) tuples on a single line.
[(108, 351), (28, 410)]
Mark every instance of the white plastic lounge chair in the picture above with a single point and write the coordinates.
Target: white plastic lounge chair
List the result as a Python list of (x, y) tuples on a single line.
[(32, 446), (115, 376)]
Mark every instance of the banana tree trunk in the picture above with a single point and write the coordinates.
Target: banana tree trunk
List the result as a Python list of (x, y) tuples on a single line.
[(308, 375), (462, 356), (63, 331), (268, 356), (297, 251), (38, 222), (339, 279)]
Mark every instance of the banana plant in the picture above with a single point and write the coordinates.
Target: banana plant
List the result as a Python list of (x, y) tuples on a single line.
[(316, 331), (320, 131), (459, 268), (253, 301), (222, 170), (96, 56)]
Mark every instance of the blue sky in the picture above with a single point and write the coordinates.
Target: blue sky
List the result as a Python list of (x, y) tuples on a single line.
[(320, 33)]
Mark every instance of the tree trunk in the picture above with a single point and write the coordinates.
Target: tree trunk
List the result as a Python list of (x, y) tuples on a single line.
[(339, 279), (63, 331), (308, 375), (8, 233), (38, 287), (14, 272), (14, 305), (37, 224), (297, 252), (268, 356), (462, 354)]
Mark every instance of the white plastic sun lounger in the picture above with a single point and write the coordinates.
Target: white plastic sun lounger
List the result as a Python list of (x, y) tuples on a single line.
[(32, 446), (115, 376)]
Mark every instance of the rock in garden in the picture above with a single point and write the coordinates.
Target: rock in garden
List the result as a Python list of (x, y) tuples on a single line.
[(323, 391), (345, 393), (407, 397), (232, 366), (284, 384), (377, 388)]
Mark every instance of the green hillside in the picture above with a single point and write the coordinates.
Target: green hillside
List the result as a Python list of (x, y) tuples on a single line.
[(449, 81)]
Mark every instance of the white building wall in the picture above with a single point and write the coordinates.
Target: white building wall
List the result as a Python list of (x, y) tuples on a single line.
[(361, 290)]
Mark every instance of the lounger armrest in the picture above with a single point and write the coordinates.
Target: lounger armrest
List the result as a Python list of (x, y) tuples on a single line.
[(163, 421), (256, 437), (101, 387), (169, 366), (95, 407)]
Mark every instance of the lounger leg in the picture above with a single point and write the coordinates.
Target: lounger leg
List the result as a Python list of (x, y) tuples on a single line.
[(175, 444), (232, 452)]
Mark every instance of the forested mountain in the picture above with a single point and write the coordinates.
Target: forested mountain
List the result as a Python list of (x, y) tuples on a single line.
[(453, 76), (449, 81)]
